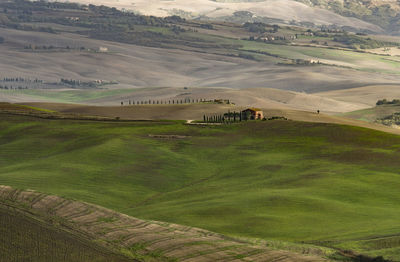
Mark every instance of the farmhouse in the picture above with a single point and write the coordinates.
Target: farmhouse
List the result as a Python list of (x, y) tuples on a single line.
[(103, 49), (253, 113)]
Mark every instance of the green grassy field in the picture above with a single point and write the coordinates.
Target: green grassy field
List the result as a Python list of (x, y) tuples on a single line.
[(301, 182)]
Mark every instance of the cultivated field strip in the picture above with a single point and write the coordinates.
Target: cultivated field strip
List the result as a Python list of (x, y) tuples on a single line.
[(139, 239)]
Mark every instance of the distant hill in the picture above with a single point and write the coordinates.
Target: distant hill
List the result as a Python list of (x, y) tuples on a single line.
[(302, 12), (385, 14)]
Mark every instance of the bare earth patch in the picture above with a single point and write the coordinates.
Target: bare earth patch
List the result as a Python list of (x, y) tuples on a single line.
[(151, 240)]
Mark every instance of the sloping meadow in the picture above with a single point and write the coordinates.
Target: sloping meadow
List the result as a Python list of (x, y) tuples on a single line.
[(314, 183)]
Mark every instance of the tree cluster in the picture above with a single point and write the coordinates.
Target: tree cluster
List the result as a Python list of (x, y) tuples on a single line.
[(230, 117), (258, 27), (388, 102), (353, 41)]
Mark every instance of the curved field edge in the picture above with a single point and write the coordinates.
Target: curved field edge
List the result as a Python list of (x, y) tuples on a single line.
[(137, 239)]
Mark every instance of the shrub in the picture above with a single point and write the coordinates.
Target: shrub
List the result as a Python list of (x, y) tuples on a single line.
[(387, 102)]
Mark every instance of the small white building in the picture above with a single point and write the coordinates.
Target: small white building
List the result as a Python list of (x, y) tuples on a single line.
[(103, 49)]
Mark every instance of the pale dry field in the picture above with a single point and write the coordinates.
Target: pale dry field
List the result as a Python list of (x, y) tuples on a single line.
[(160, 74), (242, 98), (366, 96), (138, 66)]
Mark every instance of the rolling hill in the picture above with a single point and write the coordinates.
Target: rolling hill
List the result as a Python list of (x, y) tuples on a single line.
[(89, 175), (142, 51), (117, 237), (313, 183), (278, 11), (385, 14)]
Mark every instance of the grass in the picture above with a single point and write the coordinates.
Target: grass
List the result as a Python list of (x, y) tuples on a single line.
[(36, 108), (275, 180)]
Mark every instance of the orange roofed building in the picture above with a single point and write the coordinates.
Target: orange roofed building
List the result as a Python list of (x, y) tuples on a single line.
[(253, 113)]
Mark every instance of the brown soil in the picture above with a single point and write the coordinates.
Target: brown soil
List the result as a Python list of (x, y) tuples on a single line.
[(153, 241)]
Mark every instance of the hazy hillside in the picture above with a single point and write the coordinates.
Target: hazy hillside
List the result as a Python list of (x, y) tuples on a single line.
[(385, 14), (284, 11)]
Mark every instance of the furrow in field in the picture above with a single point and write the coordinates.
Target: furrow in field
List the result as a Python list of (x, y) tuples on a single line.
[(149, 238)]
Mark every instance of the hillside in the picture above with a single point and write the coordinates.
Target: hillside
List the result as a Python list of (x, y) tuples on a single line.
[(102, 53), (385, 14), (134, 239), (105, 156), (276, 11), (374, 113), (245, 97), (183, 112), (24, 237), (374, 16), (321, 184)]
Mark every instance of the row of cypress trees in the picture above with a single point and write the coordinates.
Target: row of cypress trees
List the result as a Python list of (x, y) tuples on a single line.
[(162, 102), (227, 117)]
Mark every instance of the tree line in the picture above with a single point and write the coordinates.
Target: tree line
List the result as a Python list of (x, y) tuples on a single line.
[(21, 79), (5, 87), (388, 102), (228, 117), (176, 101), (165, 102)]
